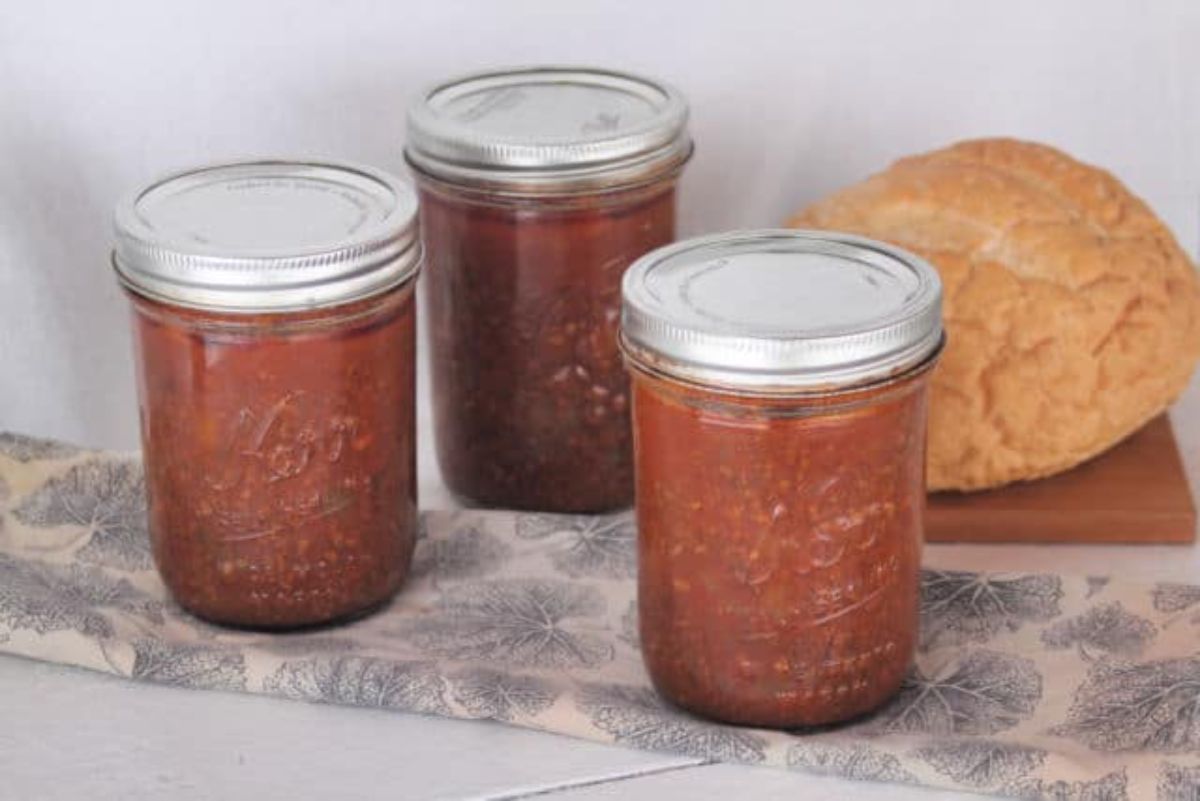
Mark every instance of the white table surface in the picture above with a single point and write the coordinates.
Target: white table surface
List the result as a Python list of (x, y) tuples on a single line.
[(67, 733)]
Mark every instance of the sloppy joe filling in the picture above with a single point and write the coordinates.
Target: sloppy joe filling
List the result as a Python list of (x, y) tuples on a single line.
[(779, 544), (280, 458), (531, 399)]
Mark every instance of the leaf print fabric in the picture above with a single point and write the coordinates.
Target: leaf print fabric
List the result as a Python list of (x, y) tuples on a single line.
[(467, 552), (636, 716), (1181, 600), (604, 546), (199, 666), (857, 761), (629, 627), (959, 608), (46, 597), (1105, 629), (360, 681), (984, 693), (25, 448), (502, 696), (1178, 783), (106, 499), (1153, 706), (542, 624), (1066, 688), (1176, 597), (982, 764), (301, 643), (1112, 787)]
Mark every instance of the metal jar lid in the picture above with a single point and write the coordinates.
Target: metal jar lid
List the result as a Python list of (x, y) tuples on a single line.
[(548, 130), (781, 311), (267, 236)]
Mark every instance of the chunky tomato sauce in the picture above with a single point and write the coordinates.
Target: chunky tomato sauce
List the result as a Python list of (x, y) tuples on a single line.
[(280, 457), (779, 545), (531, 400)]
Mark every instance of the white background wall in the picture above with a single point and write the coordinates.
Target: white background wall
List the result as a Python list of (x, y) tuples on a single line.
[(790, 100)]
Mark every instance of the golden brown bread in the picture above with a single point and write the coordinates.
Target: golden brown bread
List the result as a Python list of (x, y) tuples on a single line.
[(1072, 314)]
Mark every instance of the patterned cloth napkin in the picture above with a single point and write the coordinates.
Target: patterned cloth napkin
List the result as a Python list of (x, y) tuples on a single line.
[(1031, 686)]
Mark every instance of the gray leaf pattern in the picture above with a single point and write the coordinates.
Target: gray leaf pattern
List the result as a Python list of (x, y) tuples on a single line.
[(594, 546), (857, 761), (1171, 597), (502, 696), (635, 716), (959, 608), (1178, 783), (521, 623), (1111, 787), (45, 597), (984, 693), (629, 627), (1153, 706), (293, 644), (189, 665), (107, 498), (1106, 629), (464, 553), (982, 764), (362, 681), (1096, 584), (27, 449)]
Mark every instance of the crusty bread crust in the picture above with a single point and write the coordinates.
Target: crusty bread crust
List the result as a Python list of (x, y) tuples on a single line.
[(1072, 314)]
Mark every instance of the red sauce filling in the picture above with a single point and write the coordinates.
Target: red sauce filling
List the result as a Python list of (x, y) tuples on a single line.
[(779, 545), (531, 401), (280, 457)]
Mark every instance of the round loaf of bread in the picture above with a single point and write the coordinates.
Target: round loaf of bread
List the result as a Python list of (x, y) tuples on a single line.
[(1072, 314)]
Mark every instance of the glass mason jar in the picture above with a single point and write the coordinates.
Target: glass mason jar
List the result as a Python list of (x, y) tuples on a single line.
[(539, 187), (779, 403), (274, 332)]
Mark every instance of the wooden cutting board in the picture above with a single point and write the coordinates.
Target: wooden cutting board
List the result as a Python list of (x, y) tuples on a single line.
[(1135, 493)]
